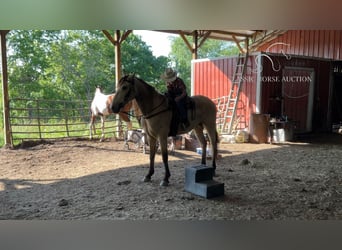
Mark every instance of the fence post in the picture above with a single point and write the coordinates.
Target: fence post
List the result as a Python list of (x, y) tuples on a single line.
[(66, 118), (38, 121)]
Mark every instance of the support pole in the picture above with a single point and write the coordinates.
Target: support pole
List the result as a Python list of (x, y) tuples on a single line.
[(7, 133), (116, 41), (195, 45), (117, 46)]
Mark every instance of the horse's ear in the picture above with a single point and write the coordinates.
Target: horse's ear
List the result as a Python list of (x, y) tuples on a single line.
[(130, 77)]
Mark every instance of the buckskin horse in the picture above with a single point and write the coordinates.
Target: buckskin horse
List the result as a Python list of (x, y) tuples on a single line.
[(100, 106), (157, 116)]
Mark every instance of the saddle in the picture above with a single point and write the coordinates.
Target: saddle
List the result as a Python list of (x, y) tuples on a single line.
[(175, 120)]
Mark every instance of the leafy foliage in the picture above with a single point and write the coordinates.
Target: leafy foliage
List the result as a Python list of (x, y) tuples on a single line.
[(181, 56), (69, 64)]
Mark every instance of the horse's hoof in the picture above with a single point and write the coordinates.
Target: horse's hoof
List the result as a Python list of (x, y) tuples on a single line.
[(164, 183), (147, 179)]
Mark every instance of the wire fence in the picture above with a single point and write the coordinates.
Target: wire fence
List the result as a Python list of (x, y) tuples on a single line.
[(53, 119)]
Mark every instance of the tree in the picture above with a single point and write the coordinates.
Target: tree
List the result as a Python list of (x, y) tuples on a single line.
[(181, 56), (69, 64), (138, 58), (28, 51)]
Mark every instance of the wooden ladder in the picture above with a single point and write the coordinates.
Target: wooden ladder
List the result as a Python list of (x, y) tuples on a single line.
[(234, 94)]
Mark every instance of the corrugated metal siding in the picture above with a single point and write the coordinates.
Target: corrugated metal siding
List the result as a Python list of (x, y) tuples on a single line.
[(212, 78), (313, 43)]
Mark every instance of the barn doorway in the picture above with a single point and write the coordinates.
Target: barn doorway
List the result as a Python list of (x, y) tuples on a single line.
[(336, 102), (298, 92)]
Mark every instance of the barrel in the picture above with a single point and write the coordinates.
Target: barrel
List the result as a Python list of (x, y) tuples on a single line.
[(258, 128)]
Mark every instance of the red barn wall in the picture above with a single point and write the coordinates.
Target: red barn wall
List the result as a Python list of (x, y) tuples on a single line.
[(213, 78)]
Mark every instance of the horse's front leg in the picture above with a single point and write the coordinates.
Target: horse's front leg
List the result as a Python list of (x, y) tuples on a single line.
[(153, 149), (164, 151)]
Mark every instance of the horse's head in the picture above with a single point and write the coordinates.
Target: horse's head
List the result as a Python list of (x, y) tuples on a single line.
[(124, 93), (98, 89)]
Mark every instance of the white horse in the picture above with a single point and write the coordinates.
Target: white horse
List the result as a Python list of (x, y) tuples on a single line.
[(100, 106)]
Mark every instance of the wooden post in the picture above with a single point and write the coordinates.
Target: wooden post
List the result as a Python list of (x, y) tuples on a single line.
[(66, 118), (116, 41), (195, 45), (117, 46), (5, 97), (38, 120)]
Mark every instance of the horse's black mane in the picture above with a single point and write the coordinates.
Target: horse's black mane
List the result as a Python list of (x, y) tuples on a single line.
[(130, 77)]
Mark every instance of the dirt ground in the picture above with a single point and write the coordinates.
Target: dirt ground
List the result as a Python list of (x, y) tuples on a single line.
[(82, 179)]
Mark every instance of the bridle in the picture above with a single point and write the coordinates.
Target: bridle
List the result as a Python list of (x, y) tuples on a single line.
[(151, 113)]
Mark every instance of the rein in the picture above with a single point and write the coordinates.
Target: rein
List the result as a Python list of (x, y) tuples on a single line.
[(130, 115), (154, 114), (150, 115)]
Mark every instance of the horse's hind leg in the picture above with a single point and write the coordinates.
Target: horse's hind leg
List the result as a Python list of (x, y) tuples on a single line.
[(213, 137), (200, 136), (102, 128)]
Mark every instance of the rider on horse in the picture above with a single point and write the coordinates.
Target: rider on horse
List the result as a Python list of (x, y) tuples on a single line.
[(176, 90)]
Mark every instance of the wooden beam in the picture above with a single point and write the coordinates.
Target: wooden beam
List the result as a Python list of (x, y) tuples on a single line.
[(185, 40), (109, 36), (247, 45), (125, 35), (204, 38), (5, 97), (242, 50), (222, 32)]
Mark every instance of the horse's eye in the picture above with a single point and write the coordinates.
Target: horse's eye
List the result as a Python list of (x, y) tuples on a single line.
[(124, 87)]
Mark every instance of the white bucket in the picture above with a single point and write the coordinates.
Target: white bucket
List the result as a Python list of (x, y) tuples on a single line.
[(199, 151), (279, 135), (241, 136)]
